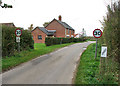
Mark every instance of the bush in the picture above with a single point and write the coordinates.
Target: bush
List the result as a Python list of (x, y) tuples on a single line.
[(111, 37), (53, 41), (9, 45), (90, 38)]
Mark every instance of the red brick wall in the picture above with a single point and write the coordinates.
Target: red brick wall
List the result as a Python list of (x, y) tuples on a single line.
[(72, 33), (60, 30), (69, 32), (35, 34)]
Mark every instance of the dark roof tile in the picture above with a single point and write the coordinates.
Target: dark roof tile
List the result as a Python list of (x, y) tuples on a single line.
[(65, 25), (47, 32)]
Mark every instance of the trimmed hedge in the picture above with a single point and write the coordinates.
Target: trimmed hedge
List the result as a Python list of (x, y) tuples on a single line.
[(53, 41), (9, 45), (90, 38)]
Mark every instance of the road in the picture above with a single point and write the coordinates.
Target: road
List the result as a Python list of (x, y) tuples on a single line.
[(54, 68)]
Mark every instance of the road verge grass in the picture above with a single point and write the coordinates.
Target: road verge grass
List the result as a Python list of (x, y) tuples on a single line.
[(88, 66), (24, 56)]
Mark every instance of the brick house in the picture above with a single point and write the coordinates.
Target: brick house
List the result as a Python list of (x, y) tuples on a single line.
[(62, 28), (8, 24), (56, 28), (39, 34)]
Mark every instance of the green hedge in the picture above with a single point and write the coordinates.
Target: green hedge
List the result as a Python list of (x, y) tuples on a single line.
[(53, 41), (90, 38), (9, 45), (111, 37)]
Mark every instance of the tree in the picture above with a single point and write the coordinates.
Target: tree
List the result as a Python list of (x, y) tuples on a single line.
[(45, 24), (0, 2), (31, 27)]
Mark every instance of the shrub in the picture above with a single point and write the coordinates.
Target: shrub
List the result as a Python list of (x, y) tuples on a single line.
[(53, 41), (110, 37), (9, 45)]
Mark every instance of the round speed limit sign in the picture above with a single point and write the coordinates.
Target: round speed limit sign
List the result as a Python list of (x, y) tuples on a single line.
[(97, 33), (18, 32)]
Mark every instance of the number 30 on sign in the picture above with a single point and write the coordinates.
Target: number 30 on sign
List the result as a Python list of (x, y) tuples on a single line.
[(18, 32), (97, 33)]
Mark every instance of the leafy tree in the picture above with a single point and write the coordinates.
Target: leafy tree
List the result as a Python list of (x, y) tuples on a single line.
[(31, 27), (45, 24)]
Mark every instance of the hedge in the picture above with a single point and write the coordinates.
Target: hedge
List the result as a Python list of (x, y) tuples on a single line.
[(53, 41), (9, 45), (111, 37)]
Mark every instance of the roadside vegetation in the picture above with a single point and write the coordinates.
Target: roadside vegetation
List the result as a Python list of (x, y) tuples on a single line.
[(26, 55), (90, 38), (89, 70), (9, 44), (53, 41), (111, 37), (88, 66), (107, 70)]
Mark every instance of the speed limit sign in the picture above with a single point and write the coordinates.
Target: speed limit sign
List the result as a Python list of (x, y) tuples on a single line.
[(97, 33), (18, 32)]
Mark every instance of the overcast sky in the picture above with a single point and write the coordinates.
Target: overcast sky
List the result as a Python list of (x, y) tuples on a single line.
[(77, 13)]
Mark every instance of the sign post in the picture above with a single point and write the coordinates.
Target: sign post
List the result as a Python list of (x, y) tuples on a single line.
[(97, 33), (96, 49), (102, 58), (18, 33)]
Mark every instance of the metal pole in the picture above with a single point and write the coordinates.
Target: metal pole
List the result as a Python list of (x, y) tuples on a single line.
[(19, 47), (96, 50)]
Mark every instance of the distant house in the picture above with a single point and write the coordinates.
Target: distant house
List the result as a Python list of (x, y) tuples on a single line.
[(62, 28), (56, 28), (8, 24), (39, 34), (78, 35)]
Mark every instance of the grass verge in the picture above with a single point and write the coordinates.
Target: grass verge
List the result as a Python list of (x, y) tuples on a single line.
[(24, 56), (88, 66)]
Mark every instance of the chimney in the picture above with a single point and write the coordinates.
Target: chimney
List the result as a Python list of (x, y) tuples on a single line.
[(60, 18)]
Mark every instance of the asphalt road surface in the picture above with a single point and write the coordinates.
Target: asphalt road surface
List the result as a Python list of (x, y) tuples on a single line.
[(54, 68)]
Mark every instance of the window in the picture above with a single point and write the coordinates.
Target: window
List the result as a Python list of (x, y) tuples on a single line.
[(71, 32), (68, 31), (67, 36), (39, 37)]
